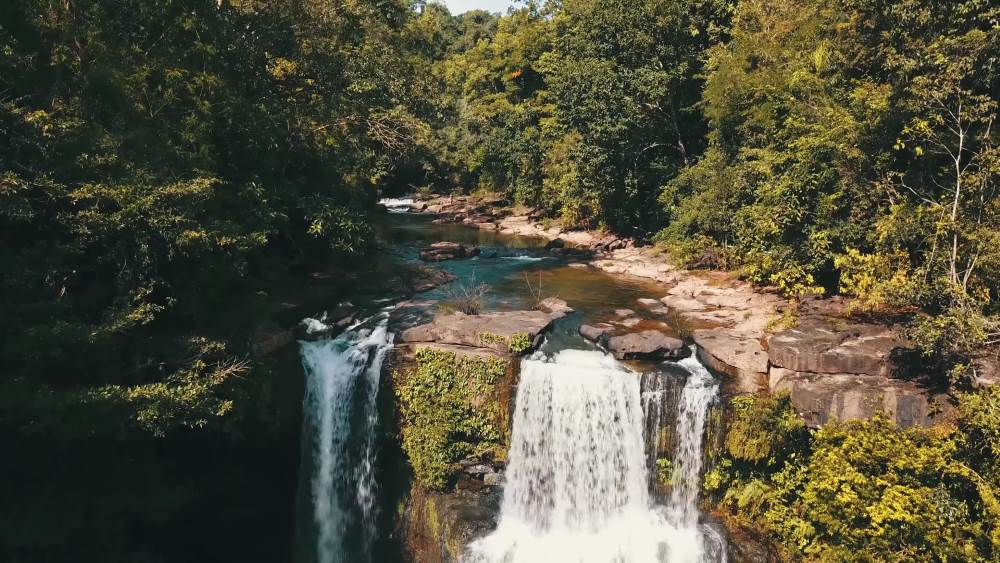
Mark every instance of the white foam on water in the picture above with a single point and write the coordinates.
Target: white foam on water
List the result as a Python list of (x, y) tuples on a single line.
[(397, 204)]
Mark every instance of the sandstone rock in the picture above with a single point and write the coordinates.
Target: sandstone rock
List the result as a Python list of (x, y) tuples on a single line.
[(418, 206), (817, 346), (683, 303), (555, 306), (624, 312), (447, 251), (595, 333), (648, 303), (489, 330), (737, 355), (823, 397), (629, 322), (647, 345)]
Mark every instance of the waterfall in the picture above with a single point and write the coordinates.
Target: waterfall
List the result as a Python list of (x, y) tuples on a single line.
[(577, 482), (341, 419), (699, 392)]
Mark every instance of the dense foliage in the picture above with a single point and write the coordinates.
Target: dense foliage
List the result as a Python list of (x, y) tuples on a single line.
[(864, 490), (813, 145), (451, 408), (162, 165)]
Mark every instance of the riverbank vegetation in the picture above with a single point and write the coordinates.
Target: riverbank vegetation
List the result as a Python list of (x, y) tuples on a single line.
[(864, 490)]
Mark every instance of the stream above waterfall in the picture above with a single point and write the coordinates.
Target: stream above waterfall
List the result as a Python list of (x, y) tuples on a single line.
[(587, 430)]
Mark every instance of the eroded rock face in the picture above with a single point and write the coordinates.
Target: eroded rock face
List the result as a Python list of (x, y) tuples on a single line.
[(823, 397), (817, 346), (438, 526), (647, 345), (738, 355), (440, 251)]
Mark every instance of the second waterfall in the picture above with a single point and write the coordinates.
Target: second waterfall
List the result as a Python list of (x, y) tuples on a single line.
[(576, 486)]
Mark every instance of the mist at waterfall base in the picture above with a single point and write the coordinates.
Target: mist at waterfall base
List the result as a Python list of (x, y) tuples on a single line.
[(577, 484), (340, 442)]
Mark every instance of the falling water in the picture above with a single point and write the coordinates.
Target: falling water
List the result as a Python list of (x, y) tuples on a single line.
[(576, 486), (699, 393), (342, 381)]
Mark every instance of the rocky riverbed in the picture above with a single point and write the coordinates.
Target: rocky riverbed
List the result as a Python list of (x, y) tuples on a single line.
[(833, 366)]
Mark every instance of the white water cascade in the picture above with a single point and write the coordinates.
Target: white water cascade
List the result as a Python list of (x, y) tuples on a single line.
[(576, 485), (341, 418), (700, 391)]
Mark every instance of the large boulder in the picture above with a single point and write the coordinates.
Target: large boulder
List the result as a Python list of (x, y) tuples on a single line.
[(647, 345), (447, 251), (818, 346), (738, 355)]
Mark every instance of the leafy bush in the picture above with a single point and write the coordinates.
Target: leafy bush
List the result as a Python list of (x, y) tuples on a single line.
[(451, 408), (864, 490)]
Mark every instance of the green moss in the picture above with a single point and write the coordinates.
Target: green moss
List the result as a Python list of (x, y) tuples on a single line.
[(451, 408)]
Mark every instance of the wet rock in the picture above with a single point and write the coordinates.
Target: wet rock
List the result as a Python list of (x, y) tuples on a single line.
[(438, 526), (647, 345), (596, 333), (447, 251), (427, 279), (816, 345), (555, 243), (737, 355), (823, 397)]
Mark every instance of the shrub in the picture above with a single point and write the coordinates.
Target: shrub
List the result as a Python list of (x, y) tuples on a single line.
[(466, 298), (450, 408)]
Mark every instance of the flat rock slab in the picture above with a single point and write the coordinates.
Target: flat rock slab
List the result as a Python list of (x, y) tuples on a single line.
[(488, 330), (737, 355), (824, 397), (818, 346), (440, 251), (647, 345)]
